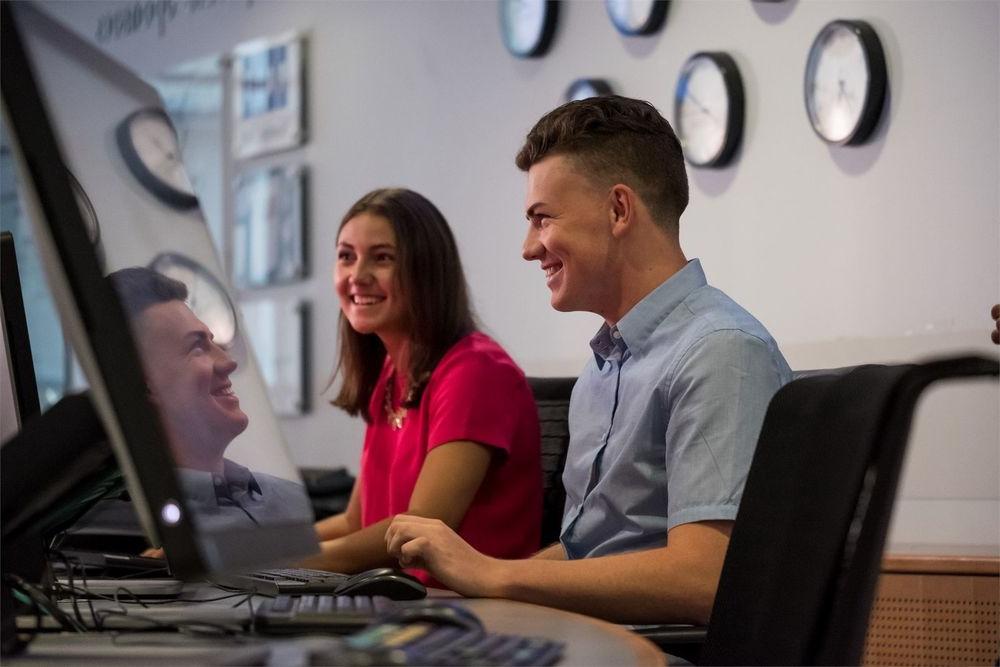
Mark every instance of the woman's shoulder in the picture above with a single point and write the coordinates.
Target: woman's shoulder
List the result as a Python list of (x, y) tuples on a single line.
[(477, 352)]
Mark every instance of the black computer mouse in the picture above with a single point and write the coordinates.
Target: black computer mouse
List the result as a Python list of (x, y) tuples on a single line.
[(436, 612), (384, 581)]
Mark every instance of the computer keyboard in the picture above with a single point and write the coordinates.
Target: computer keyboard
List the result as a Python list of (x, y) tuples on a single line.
[(337, 614), (283, 581), (399, 633), (429, 644)]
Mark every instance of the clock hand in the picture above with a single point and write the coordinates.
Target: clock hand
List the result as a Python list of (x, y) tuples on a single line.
[(697, 102), (704, 109)]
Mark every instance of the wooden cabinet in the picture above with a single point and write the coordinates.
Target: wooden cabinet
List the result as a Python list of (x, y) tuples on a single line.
[(933, 609)]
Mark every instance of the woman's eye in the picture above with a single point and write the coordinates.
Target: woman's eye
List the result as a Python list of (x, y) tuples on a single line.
[(344, 256), (384, 257)]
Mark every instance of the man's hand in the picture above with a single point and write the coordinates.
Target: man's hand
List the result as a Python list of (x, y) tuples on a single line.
[(154, 552), (432, 545)]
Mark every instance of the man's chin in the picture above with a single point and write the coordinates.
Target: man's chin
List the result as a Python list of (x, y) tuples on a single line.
[(560, 303), (240, 424)]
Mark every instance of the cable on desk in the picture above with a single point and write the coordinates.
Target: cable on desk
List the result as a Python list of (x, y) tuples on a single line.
[(43, 602), (193, 628), (247, 592), (83, 575)]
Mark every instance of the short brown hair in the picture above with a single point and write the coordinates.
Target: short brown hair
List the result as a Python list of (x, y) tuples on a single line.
[(619, 140), (138, 288), (433, 285)]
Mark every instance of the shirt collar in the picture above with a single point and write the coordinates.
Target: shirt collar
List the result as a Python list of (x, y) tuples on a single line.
[(638, 324), (239, 477), (203, 486), (608, 344)]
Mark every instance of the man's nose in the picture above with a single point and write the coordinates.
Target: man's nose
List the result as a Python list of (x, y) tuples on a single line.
[(532, 248), (224, 363)]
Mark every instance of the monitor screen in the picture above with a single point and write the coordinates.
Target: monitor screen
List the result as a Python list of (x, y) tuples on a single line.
[(19, 395), (145, 302)]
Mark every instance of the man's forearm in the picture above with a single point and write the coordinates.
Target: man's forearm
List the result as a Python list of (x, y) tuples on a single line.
[(554, 551), (651, 586)]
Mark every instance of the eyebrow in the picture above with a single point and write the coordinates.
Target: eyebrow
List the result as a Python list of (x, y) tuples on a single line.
[(193, 337), (377, 246)]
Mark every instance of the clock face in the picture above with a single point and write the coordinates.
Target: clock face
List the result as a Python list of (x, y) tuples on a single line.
[(708, 109), (207, 298), (527, 26), (637, 17), (149, 145), (845, 82), (581, 89)]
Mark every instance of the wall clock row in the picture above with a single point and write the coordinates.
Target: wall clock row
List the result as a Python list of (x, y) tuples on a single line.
[(844, 88)]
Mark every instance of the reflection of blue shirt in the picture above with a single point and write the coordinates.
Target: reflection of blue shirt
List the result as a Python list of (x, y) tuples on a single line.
[(239, 497), (664, 421)]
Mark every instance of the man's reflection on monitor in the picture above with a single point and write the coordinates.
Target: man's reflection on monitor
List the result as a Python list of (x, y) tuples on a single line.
[(187, 376)]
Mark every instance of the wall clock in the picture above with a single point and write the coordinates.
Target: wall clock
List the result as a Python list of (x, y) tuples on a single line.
[(87, 211), (148, 143), (708, 108), (581, 89), (89, 215), (845, 82), (527, 26), (207, 297), (637, 17)]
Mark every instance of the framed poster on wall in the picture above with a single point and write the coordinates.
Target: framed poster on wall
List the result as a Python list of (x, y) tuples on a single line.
[(279, 332), (269, 226), (268, 81)]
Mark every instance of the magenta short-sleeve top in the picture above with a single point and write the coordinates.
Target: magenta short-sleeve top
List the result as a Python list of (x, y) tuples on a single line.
[(475, 393)]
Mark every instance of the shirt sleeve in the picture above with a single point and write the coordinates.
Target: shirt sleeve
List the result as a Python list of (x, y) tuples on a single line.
[(476, 397), (719, 395)]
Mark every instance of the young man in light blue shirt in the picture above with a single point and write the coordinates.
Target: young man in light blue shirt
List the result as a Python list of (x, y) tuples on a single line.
[(665, 417)]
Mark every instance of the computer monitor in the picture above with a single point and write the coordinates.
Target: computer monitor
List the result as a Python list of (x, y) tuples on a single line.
[(98, 164), (19, 393)]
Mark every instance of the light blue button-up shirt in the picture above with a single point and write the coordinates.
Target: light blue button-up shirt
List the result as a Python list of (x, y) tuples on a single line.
[(664, 420)]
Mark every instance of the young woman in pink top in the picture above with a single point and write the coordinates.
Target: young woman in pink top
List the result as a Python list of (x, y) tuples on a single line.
[(452, 428)]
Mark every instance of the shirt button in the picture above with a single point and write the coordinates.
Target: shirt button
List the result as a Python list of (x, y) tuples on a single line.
[(615, 334), (218, 481)]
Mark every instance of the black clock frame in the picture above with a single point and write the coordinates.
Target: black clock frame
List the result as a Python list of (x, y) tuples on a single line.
[(163, 191), (733, 82), (878, 80), (177, 259), (599, 86), (657, 15), (541, 46)]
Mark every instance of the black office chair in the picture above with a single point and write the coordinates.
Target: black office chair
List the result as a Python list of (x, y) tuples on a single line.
[(552, 397), (804, 557)]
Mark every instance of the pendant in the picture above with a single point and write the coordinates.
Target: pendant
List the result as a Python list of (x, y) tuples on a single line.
[(396, 418)]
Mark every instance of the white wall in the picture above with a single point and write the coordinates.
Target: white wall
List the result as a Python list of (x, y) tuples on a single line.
[(884, 252)]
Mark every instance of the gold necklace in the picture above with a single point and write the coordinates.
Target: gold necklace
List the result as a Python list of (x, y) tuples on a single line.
[(395, 416)]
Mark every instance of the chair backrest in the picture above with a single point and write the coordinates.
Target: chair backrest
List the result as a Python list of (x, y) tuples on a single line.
[(803, 561), (552, 397)]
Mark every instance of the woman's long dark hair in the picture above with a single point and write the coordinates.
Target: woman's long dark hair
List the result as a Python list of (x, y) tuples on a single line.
[(432, 284)]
